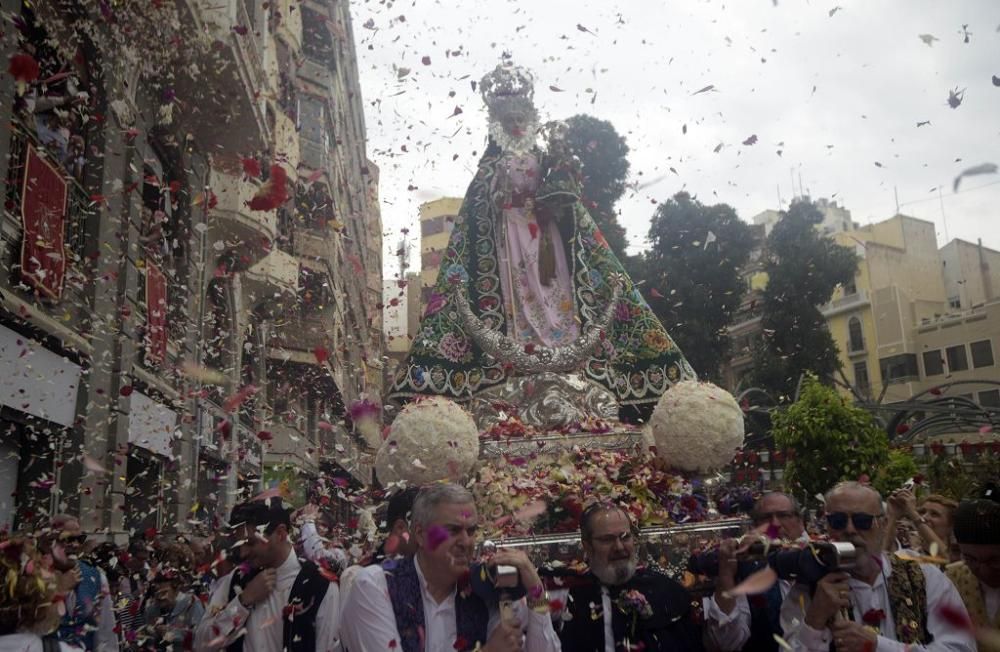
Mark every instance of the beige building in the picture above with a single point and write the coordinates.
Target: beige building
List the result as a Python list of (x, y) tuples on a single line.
[(971, 274), (437, 219), (161, 327), (898, 326)]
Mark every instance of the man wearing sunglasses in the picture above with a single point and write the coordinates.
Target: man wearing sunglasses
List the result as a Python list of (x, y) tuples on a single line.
[(89, 620), (883, 603), (751, 623)]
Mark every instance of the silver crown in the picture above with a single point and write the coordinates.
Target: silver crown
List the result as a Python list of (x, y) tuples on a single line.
[(507, 84)]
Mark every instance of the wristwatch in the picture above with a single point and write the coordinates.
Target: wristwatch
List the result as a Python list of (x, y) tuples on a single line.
[(538, 602)]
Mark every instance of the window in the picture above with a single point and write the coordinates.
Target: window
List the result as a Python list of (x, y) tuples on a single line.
[(431, 259), (900, 368), (432, 226), (955, 302), (957, 360), (850, 289), (982, 354), (861, 381), (933, 363), (312, 118), (856, 341), (990, 398)]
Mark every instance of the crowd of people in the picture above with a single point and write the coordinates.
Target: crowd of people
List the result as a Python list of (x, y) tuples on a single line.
[(925, 576)]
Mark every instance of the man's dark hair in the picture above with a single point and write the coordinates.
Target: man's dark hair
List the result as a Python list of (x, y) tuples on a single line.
[(587, 518), (400, 506), (977, 521), (755, 512), (256, 513)]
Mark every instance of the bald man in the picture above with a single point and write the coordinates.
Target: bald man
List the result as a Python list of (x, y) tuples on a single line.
[(884, 603)]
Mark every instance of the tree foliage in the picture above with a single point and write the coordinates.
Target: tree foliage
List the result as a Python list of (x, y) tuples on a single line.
[(900, 468), (692, 275), (829, 440), (803, 267), (948, 476), (603, 153)]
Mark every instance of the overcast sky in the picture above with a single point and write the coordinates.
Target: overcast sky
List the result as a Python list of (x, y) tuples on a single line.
[(827, 96)]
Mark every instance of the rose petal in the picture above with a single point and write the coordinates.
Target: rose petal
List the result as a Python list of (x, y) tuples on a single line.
[(759, 582)]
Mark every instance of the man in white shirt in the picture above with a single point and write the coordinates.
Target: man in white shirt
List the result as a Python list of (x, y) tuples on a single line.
[(751, 622), (884, 603), (423, 602), (977, 576), (272, 602)]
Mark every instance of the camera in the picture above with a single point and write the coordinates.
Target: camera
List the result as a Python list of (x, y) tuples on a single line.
[(808, 564), (491, 581)]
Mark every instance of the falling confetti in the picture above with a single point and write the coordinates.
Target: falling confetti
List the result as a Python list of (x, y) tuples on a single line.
[(983, 168)]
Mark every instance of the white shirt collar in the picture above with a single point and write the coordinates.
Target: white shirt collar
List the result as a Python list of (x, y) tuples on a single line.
[(290, 567), (423, 584)]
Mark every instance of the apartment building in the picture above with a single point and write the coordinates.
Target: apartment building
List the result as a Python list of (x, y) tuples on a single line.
[(915, 318), (191, 259)]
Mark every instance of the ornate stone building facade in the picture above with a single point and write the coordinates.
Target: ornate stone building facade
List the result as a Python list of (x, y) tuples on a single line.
[(191, 258)]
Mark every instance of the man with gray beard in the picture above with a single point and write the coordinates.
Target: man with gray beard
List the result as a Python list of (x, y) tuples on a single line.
[(618, 604)]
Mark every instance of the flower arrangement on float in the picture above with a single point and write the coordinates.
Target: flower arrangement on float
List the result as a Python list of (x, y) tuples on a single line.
[(547, 494), (432, 439), (514, 428), (696, 426)]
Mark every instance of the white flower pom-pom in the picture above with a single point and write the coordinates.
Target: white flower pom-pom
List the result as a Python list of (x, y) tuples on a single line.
[(433, 439), (696, 426)]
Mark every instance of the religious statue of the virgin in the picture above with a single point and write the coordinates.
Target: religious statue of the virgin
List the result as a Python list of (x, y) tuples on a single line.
[(528, 284)]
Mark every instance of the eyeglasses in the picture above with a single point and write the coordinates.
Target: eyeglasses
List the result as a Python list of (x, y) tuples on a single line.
[(861, 520), (610, 539), (767, 516)]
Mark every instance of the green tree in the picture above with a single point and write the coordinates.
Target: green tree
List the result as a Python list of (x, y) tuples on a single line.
[(803, 268), (692, 276), (604, 155), (892, 476), (950, 477), (828, 440)]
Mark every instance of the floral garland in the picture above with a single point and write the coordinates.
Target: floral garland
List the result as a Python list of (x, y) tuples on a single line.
[(546, 494), (514, 428)]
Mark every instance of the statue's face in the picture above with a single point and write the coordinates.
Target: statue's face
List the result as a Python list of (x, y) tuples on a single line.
[(515, 114)]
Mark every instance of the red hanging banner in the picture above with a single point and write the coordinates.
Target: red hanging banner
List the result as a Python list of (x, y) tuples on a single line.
[(156, 315), (43, 218)]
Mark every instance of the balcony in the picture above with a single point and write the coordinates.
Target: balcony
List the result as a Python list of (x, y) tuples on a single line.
[(844, 304), (289, 27), (286, 140), (316, 72), (231, 83), (231, 221), (291, 446), (76, 301), (314, 154), (302, 334), (271, 285)]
